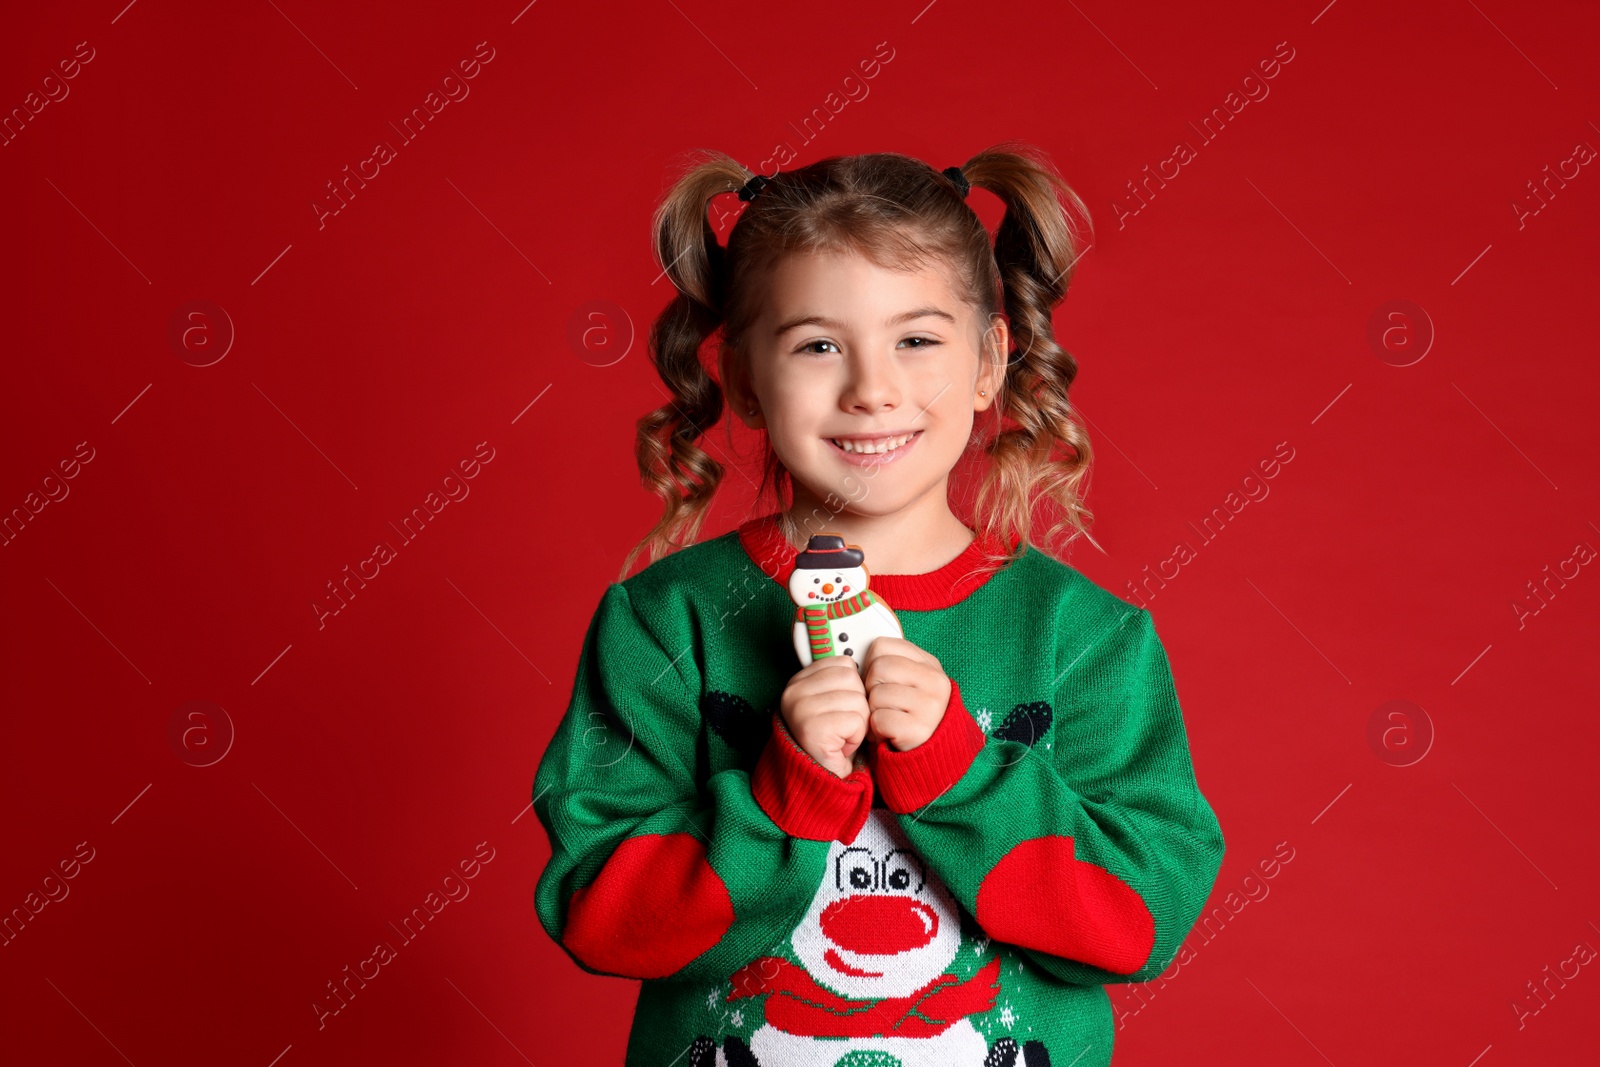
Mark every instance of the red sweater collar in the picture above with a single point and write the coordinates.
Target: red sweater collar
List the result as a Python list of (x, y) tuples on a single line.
[(763, 541)]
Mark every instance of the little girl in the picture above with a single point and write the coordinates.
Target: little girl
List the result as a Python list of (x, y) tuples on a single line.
[(937, 852)]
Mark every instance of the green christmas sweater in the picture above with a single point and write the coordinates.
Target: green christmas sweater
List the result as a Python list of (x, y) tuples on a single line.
[(959, 904)]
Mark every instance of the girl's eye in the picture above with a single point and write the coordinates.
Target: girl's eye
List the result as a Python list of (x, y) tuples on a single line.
[(809, 348)]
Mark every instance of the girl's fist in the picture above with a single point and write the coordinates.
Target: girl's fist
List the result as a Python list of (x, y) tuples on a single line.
[(907, 692), (825, 707)]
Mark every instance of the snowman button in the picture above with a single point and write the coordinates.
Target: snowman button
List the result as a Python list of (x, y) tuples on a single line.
[(844, 637), (850, 652)]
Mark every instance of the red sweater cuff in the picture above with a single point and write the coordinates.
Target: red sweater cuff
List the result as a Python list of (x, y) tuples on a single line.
[(803, 797), (915, 778)]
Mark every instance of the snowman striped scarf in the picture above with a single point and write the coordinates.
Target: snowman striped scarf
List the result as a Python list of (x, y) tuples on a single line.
[(816, 619)]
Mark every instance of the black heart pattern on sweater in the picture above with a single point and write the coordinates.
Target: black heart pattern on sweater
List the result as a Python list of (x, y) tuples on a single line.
[(737, 722), (1026, 723)]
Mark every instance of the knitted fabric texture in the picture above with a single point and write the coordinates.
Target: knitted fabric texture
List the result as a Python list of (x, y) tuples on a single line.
[(963, 902)]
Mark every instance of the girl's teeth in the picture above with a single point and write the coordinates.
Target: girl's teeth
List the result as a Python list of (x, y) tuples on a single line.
[(882, 444)]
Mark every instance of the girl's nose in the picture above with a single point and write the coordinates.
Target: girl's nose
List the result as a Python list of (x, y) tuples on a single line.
[(872, 388)]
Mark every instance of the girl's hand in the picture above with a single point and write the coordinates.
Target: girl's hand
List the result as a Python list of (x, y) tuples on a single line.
[(907, 692), (825, 708)]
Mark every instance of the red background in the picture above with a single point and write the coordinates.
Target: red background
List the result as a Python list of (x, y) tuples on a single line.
[(373, 753)]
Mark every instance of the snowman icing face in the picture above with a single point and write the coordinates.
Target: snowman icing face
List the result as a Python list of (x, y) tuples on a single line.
[(814, 588)]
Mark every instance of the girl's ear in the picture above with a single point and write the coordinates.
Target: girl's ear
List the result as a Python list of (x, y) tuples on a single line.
[(734, 370), (992, 357)]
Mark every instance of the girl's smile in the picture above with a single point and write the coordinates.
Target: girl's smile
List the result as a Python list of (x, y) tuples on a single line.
[(875, 451)]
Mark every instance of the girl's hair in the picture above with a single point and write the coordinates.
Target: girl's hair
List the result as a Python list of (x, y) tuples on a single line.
[(899, 213)]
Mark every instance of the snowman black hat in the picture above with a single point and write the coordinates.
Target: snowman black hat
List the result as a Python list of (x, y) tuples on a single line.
[(827, 551)]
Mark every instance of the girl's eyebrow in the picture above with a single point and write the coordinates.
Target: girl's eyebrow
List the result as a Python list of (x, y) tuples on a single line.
[(835, 324)]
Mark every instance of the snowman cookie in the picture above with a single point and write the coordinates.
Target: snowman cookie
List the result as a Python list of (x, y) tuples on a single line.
[(835, 613)]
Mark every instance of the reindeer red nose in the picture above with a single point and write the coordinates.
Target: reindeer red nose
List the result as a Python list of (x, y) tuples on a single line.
[(879, 925)]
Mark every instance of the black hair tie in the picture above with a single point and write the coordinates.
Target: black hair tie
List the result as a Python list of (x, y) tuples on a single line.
[(752, 187), (960, 180)]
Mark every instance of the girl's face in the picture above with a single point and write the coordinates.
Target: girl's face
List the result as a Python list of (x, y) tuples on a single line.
[(866, 379)]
